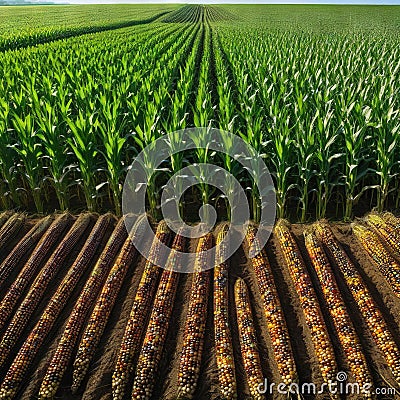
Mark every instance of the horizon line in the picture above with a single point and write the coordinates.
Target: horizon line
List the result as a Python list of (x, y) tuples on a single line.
[(216, 2)]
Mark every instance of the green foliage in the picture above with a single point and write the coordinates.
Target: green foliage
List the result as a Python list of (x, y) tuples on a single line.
[(313, 89)]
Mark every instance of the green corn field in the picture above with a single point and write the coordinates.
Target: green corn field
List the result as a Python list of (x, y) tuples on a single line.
[(314, 89)]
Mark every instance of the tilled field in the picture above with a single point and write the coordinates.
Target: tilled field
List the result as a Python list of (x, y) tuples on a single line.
[(46, 269)]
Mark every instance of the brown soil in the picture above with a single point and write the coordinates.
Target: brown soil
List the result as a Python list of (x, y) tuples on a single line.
[(97, 385)]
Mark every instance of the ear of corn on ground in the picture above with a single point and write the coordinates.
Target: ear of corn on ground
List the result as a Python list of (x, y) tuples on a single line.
[(309, 302)]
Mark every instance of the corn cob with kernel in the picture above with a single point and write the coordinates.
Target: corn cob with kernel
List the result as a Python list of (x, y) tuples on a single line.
[(16, 373), (274, 315), (344, 327), (309, 302), (29, 270), (389, 235), (223, 340), (63, 353), (193, 340), (10, 228), (153, 344), (366, 305), (104, 305), (389, 218), (386, 264), (4, 216), (248, 339), (135, 327), (23, 247), (36, 292)]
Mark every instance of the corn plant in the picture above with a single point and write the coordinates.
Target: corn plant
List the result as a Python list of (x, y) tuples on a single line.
[(148, 128), (327, 160), (178, 112), (356, 138), (282, 145), (54, 149), (226, 120), (30, 152), (203, 113), (8, 176), (252, 133), (305, 147), (386, 136), (110, 126), (83, 144)]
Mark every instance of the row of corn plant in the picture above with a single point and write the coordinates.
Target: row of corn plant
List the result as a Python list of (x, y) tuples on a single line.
[(20, 28), (148, 126), (329, 136)]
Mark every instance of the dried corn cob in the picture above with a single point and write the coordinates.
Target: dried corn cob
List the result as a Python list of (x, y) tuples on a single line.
[(389, 235), (10, 228), (63, 353), (223, 339), (36, 292), (275, 317), (31, 346), (344, 327), (389, 218), (309, 302), (135, 327), (248, 339), (366, 305), (23, 247), (193, 340), (153, 344), (386, 264), (104, 305), (30, 268), (4, 216)]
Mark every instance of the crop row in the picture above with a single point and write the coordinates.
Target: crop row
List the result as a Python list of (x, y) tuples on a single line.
[(199, 13), (21, 28)]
